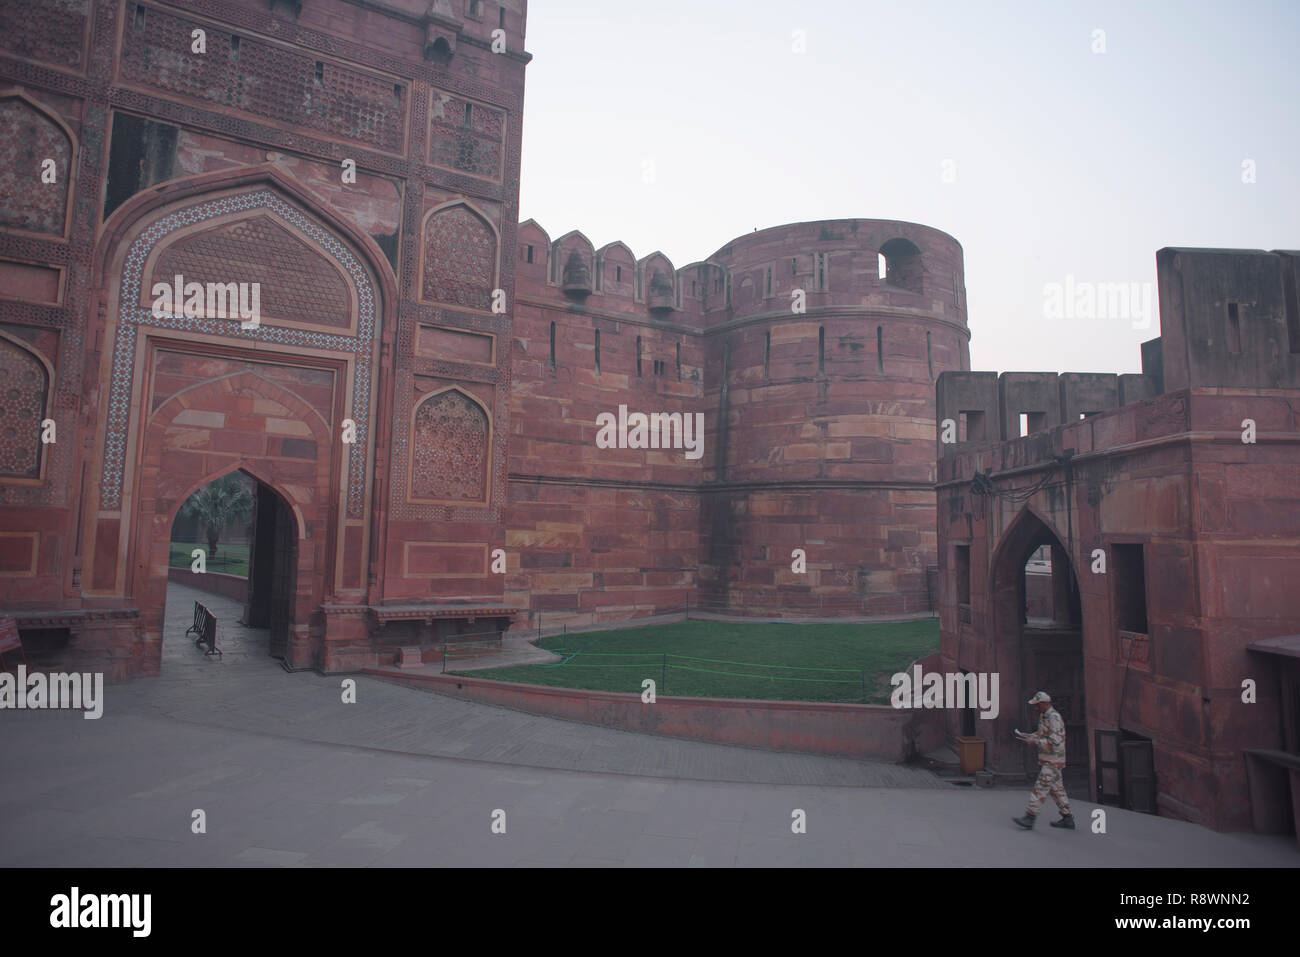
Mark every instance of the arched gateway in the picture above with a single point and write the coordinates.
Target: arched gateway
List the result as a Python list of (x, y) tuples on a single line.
[(194, 388), (1038, 639)]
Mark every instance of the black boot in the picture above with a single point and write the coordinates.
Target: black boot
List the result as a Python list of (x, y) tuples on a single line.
[(1027, 822), (1066, 821)]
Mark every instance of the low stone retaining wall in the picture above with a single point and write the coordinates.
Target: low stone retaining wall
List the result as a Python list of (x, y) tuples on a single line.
[(879, 732), (216, 583)]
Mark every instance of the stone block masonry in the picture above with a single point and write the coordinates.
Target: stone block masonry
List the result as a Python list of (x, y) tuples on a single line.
[(425, 387)]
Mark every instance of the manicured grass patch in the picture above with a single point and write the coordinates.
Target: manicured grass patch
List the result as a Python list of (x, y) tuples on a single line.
[(726, 660), (230, 559)]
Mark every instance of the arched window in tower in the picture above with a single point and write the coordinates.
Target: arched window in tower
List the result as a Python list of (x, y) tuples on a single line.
[(24, 386), (767, 355), (821, 350), (449, 449), (638, 355), (552, 362), (900, 265), (460, 259), (597, 352)]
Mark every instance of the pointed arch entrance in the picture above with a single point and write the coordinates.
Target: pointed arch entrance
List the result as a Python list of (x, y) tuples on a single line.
[(1038, 632), (255, 563), (194, 393), (293, 544)]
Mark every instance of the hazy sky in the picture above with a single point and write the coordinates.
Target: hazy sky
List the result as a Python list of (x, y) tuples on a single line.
[(1067, 162)]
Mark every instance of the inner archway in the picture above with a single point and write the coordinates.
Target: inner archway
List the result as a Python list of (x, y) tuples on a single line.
[(234, 549), (1039, 634)]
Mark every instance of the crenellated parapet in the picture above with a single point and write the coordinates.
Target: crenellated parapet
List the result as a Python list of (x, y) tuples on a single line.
[(867, 265), (608, 279), (984, 407), (880, 267), (1229, 319)]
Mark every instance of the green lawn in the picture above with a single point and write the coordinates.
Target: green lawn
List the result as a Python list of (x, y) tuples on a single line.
[(229, 560), (725, 660)]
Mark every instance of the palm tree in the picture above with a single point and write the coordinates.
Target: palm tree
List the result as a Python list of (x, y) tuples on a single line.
[(217, 505)]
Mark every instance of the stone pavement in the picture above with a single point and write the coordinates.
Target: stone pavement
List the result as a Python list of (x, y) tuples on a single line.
[(287, 775), (245, 690)]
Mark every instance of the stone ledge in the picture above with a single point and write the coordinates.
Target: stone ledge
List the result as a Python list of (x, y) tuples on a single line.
[(877, 732)]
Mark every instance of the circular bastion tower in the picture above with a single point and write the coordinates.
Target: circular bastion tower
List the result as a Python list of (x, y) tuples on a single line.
[(824, 345)]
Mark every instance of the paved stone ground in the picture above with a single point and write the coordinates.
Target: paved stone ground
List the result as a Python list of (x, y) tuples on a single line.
[(287, 775), (245, 690)]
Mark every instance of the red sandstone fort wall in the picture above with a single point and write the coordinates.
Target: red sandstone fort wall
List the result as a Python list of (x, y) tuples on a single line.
[(818, 423), (824, 435), (1209, 507), (281, 97), (478, 433)]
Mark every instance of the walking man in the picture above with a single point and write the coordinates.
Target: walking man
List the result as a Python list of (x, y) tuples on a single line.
[(1050, 738)]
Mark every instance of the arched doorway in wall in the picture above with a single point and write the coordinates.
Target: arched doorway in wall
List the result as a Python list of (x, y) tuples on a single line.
[(1038, 628), (234, 548), (192, 390), (287, 564)]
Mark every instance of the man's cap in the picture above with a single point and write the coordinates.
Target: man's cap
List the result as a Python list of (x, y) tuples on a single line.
[(1041, 697)]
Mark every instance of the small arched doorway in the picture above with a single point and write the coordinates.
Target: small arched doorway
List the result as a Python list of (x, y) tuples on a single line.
[(234, 547), (1038, 622)]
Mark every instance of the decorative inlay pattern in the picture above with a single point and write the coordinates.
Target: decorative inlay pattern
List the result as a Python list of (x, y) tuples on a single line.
[(460, 257), (131, 316), (30, 139), (466, 136), (248, 74), (296, 282), (54, 36), (449, 444), (23, 388)]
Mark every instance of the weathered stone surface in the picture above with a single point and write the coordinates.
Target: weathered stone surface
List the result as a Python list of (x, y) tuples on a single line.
[(1197, 524)]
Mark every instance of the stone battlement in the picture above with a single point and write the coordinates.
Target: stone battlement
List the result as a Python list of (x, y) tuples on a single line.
[(1228, 319), (883, 266)]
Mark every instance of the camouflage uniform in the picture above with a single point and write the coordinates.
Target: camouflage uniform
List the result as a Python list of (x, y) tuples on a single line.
[(1050, 738)]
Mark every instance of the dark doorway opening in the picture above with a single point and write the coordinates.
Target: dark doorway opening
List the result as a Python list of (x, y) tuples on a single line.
[(234, 549), (1051, 647), (1126, 771), (273, 557)]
